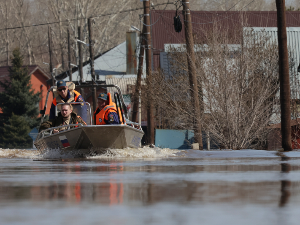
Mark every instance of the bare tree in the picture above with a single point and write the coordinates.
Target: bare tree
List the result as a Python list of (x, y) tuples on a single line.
[(111, 21), (25, 37), (6, 39)]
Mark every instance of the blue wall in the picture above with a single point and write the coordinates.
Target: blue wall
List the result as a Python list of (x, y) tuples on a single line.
[(178, 139)]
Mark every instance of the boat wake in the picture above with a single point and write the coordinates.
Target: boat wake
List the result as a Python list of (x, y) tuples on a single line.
[(18, 153), (130, 153), (145, 152)]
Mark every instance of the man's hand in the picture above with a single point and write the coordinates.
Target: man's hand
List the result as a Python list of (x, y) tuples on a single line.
[(55, 131), (137, 127)]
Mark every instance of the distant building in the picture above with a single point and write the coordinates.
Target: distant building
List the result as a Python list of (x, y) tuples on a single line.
[(164, 35), (118, 63)]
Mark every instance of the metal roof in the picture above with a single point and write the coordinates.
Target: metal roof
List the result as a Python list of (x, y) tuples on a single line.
[(112, 62), (202, 21), (123, 83), (163, 29)]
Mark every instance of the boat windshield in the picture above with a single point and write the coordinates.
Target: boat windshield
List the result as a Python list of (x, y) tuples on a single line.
[(82, 109)]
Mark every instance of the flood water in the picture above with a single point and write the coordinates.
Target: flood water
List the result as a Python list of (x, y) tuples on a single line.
[(150, 186)]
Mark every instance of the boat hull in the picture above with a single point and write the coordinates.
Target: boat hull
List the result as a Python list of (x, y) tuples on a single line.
[(91, 138)]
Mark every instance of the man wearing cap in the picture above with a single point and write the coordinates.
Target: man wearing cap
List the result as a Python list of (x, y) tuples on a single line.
[(106, 113), (64, 96)]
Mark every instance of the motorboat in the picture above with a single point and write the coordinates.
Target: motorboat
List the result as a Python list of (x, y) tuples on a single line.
[(90, 139)]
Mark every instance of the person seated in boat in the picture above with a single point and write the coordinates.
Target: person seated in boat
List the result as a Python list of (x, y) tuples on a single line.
[(65, 117), (107, 112), (65, 95)]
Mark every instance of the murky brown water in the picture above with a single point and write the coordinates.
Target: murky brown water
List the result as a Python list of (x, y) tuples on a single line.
[(150, 186)]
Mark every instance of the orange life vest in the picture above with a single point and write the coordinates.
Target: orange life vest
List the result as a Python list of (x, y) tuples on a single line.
[(101, 116), (73, 98)]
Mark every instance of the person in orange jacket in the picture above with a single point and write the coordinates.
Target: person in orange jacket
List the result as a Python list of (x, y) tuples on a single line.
[(107, 113), (64, 96)]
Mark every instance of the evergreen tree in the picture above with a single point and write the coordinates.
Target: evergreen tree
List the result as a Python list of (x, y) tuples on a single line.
[(15, 133), (16, 101), (18, 96)]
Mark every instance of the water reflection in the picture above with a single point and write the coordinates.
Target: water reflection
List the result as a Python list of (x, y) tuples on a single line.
[(285, 184), (115, 187), (74, 190), (178, 181)]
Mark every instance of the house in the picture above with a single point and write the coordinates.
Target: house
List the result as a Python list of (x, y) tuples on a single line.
[(38, 80)]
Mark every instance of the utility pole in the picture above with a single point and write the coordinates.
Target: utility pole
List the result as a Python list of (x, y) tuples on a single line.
[(138, 85), (69, 56), (150, 105), (50, 55), (91, 42), (285, 93), (80, 59), (192, 71), (76, 24), (7, 42)]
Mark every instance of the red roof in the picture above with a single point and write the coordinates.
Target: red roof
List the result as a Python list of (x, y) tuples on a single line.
[(163, 29), (4, 73)]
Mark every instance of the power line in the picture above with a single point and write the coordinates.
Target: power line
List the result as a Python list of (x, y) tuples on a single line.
[(141, 19), (234, 5), (76, 19)]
